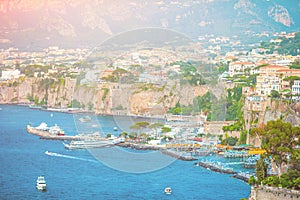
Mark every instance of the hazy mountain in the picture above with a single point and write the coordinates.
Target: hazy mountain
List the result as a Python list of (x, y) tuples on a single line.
[(39, 23)]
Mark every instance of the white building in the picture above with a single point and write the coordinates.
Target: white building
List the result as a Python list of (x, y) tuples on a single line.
[(265, 84), (10, 74), (296, 88), (237, 68)]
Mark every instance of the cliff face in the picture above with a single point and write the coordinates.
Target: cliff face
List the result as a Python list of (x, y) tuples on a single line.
[(271, 110), (280, 14), (108, 98)]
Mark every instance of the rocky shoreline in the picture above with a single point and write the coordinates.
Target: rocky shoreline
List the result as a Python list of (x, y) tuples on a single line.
[(214, 168)]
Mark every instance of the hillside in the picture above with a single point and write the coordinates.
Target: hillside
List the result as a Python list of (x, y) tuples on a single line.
[(36, 24), (283, 45)]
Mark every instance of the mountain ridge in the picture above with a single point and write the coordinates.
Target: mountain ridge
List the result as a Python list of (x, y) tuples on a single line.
[(34, 24)]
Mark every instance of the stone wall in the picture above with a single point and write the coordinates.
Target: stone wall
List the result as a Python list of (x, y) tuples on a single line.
[(272, 193)]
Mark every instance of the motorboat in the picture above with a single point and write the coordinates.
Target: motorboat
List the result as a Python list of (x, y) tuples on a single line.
[(168, 190), (41, 183)]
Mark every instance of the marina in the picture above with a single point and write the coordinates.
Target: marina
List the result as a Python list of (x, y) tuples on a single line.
[(23, 152)]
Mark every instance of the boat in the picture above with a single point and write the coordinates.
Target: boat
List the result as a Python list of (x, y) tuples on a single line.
[(168, 190), (115, 128), (41, 183), (87, 144), (85, 119), (56, 130)]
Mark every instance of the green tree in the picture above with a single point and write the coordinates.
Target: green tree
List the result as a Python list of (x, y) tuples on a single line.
[(138, 126), (275, 94), (124, 134), (156, 126), (252, 180), (165, 129), (279, 139), (261, 168)]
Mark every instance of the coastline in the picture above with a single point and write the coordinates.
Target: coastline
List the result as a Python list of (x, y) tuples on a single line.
[(80, 111)]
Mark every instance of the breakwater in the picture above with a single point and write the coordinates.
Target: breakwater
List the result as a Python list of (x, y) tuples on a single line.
[(215, 168), (179, 155), (242, 176), (140, 146), (175, 154)]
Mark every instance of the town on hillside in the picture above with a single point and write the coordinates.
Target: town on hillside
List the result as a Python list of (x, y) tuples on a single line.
[(206, 96)]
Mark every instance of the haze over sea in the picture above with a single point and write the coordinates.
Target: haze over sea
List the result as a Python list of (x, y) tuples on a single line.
[(78, 175)]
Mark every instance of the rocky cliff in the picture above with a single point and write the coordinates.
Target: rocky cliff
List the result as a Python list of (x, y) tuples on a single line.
[(104, 98), (271, 110)]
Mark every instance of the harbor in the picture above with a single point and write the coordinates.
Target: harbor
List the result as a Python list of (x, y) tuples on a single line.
[(236, 161)]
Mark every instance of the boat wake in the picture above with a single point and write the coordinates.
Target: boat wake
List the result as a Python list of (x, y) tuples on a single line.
[(67, 156)]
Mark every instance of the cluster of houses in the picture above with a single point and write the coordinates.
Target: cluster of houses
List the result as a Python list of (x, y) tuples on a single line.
[(269, 76), (53, 56)]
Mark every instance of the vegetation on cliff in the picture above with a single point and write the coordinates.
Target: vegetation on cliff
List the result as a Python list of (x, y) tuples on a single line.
[(281, 141), (200, 104), (188, 74)]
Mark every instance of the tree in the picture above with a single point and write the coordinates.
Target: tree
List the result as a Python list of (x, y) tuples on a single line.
[(124, 134), (275, 94), (139, 126), (278, 139), (230, 141), (165, 129), (252, 180), (261, 168), (156, 126)]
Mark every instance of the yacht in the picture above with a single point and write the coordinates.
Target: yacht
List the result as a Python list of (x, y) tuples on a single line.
[(41, 183), (87, 144)]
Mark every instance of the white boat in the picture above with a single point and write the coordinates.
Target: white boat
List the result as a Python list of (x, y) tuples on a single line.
[(115, 128), (168, 190), (41, 183), (85, 119), (87, 144), (56, 130)]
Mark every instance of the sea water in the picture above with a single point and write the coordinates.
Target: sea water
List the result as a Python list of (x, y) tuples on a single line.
[(78, 175)]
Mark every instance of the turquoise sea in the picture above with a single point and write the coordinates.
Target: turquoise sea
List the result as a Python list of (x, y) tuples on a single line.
[(78, 175)]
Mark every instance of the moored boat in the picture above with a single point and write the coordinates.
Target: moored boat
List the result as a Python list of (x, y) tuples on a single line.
[(87, 144), (41, 183)]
